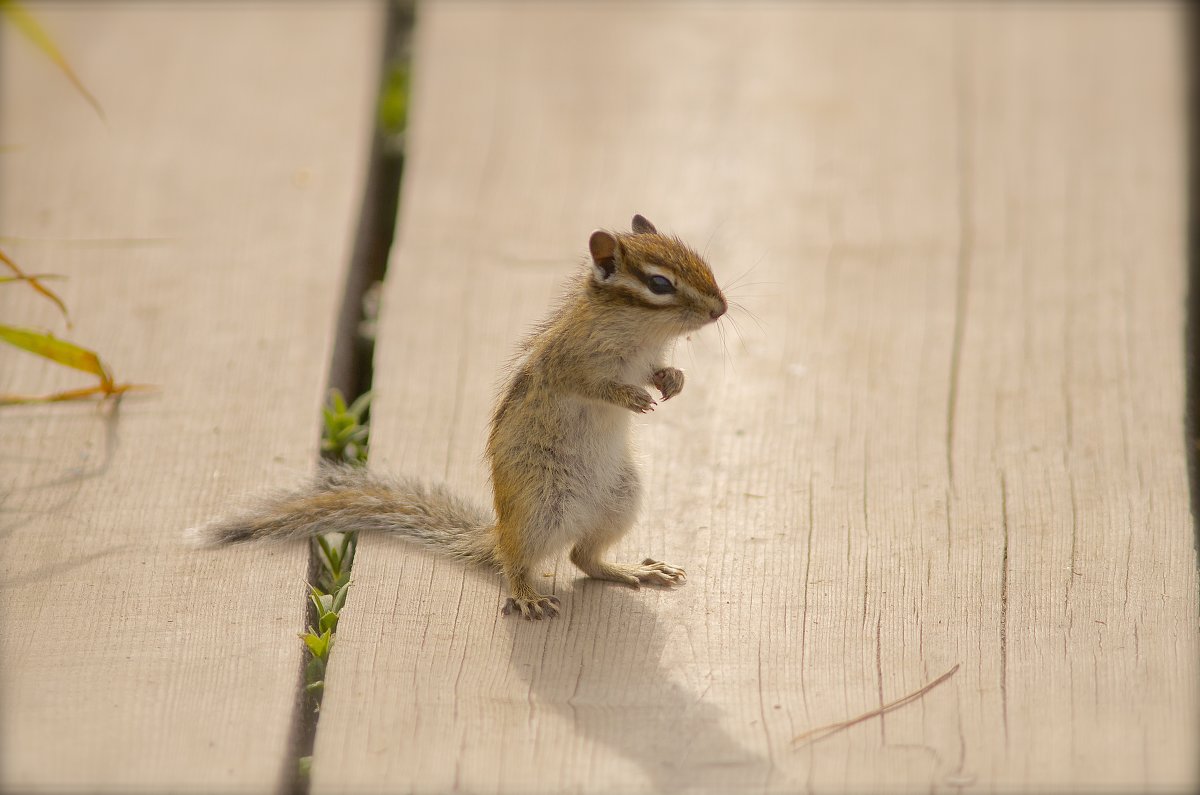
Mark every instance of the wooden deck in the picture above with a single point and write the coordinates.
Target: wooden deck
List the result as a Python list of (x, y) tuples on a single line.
[(951, 438), (205, 230)]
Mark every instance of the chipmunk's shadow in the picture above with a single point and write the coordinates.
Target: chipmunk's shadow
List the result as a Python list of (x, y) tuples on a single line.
[(601, 669)]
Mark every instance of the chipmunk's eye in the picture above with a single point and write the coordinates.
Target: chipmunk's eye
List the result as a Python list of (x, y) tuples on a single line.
[(660, 285)]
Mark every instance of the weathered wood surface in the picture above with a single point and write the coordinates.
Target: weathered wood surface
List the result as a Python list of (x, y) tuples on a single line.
[(205, 230), (957, 438)]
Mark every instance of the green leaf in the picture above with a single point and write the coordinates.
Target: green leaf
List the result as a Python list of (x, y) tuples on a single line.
[(360, 405), (328, 622), (314, 671), (338, 399), (339, 598), (323, 604), (317, 644), (393, 100), (327, 553)]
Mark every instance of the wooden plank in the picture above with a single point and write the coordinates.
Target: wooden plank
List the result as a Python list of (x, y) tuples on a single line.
[(205, 231), (956, 440)]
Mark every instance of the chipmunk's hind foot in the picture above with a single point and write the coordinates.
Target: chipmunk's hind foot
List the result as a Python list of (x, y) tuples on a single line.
[(650, 572), (655, 572), (537, 607)]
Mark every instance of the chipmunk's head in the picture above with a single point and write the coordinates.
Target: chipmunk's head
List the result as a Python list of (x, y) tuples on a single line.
[(657, 273)]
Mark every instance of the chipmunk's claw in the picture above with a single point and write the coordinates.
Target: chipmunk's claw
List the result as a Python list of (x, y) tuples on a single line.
[(654, 572), (668, 381), (636, 399), (532, 609)]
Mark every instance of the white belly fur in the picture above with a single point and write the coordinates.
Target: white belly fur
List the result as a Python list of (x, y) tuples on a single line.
[(609, 490), (596, 487), (603, 459)]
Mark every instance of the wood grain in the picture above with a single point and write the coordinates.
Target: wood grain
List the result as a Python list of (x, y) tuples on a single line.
[(205, 231), (953, 436)]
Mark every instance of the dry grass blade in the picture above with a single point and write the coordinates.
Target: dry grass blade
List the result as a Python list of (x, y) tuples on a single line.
[(33, 277), (67, 354), (100, 390), (35, 283), (33, 30), (821, 732)]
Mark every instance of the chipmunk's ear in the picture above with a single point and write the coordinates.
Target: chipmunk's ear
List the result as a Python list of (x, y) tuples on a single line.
[(603, 246), (641, 226)]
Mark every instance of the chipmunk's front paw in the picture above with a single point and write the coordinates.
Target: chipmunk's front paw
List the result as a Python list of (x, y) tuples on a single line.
[(538, 607), (636, 399), (668, 381), (654, 572)]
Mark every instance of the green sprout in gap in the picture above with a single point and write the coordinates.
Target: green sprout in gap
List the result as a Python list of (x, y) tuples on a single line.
[(344, 440), (345, 436), (393, 101), (336, 553)]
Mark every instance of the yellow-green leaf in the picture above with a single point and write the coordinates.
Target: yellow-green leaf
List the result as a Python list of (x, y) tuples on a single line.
[(25, 22), (68, 354), (50, 347)]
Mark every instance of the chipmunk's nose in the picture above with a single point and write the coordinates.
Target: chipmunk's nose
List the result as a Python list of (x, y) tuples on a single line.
[(720, 310)]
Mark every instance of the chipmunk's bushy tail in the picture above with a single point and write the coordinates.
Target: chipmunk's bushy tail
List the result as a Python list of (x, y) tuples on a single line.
[(346, 499)]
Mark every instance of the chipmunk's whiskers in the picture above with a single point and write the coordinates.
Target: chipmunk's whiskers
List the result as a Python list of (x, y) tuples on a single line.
[(737, 330), (724, 349), (738, 284), (741, 308)]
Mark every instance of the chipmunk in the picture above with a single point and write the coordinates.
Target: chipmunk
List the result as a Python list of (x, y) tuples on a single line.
[(563, 472)]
